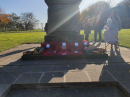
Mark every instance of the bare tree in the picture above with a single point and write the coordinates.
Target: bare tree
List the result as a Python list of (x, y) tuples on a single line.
[(96, 9), (29, 20), (1, 11)]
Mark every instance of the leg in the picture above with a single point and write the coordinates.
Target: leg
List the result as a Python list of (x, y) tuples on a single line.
[(86, 37), (95, 35), (100, 35)]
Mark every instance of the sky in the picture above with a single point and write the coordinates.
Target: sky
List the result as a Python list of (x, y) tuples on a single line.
[(38, 7)]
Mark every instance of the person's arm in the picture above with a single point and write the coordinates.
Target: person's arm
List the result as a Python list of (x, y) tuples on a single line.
[(120, 25)]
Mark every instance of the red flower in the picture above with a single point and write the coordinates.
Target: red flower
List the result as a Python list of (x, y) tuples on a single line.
[(49, 53), (76, 53), (63, 53)]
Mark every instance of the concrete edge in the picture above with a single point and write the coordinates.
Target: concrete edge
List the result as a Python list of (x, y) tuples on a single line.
[(63, 85), (6, 91), (123, 89)]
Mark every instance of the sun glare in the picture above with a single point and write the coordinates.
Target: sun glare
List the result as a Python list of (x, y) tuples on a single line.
[(85, 3)]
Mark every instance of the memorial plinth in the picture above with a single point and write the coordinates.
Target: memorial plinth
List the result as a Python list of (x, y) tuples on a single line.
[(63, 21)]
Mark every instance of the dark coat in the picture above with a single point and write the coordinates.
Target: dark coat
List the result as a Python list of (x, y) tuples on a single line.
[(87, 27), (98, 24)]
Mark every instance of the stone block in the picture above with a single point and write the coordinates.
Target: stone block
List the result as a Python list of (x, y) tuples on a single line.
[(37, 93), (107, 92), (79, 92), (68, 38)]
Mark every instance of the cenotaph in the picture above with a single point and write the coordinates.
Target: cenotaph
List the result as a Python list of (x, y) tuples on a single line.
[(63, 21)]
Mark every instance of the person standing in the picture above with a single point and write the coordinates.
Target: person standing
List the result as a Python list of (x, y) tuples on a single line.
[(116, 23), (98, 26), (87, 28)]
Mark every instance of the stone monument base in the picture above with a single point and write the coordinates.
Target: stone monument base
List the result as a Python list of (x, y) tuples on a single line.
[(61, 37)]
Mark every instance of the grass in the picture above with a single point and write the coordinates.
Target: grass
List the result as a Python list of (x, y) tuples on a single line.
[(124, 37), (9, 40)]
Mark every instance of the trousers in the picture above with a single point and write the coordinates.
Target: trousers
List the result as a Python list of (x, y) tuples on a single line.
[(87, 37), (95, 35)]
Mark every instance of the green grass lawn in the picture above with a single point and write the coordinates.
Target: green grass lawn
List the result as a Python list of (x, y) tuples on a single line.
[(9, 40), (124, 37)]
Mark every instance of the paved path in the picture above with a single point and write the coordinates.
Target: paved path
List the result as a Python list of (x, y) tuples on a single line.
[(15, 71)]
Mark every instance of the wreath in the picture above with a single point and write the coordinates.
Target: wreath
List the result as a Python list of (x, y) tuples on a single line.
[(64, 46), (75, 46), (84, 44), (63, 53), (47, 46), (54, 46)]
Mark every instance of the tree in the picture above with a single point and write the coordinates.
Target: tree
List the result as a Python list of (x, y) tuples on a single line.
[(14, 19), (96, 9), (126, 5), (4, 18), (28, 19)]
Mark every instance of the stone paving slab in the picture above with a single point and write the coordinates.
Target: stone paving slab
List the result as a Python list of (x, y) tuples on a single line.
[(52, 77), (76, 77), (121, 75), (8, 69), (84, 67), (121, 66), (18, 49), (66, 67), (26, 68), (100, 76), (100, 67), (4, 89), (27, 78), (8, 78), (45, 68)]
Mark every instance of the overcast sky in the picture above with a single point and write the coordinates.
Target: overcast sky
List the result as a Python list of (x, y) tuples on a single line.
[(38, 7)]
